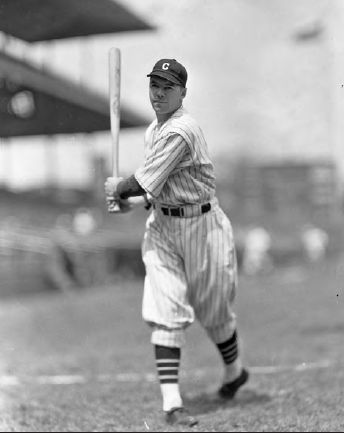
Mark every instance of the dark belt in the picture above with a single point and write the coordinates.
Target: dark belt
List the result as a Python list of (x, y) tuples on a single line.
[(179, 211)]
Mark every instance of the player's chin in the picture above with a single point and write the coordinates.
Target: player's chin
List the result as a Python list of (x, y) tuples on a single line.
[(157, 106)]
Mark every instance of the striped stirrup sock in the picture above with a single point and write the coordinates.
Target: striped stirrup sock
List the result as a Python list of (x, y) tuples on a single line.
[(167, 363), (229, 349)]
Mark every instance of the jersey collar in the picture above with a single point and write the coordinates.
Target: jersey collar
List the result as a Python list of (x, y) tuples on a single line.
[(179, 112)]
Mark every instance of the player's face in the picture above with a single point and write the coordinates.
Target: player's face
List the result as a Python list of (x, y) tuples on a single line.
[(165, 97)]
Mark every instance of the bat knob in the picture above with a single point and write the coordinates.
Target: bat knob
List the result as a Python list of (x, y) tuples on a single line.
[(113, 206)]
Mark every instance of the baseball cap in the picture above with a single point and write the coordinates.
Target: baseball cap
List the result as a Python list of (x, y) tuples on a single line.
[(171, 70)]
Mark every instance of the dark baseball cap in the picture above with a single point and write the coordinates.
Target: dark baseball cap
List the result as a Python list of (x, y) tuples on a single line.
[(171, 70)]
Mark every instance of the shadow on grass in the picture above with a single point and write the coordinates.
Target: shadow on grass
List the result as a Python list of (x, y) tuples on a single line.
[(211, 402)]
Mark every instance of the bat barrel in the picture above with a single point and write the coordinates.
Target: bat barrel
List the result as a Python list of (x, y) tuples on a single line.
[(114, 100)]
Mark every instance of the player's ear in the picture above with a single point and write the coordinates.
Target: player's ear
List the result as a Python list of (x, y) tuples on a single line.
[(184, 91)]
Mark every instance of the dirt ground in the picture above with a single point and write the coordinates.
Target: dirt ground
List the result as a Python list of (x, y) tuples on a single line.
[(82, 361)]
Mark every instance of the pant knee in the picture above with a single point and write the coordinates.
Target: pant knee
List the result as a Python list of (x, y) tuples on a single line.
[(221, 333)]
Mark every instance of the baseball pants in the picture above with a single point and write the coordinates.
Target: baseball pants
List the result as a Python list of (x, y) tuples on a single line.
[(191, 272)]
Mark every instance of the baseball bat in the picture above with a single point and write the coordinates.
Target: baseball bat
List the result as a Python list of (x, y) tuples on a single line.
[(114, 99)]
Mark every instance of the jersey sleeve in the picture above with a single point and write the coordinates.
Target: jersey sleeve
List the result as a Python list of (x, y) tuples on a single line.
[(160, 162)]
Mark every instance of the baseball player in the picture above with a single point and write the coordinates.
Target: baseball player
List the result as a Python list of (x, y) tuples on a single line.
[(188, 247)]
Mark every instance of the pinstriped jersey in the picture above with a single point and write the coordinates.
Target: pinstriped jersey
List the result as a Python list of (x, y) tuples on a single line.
[(177, 169)]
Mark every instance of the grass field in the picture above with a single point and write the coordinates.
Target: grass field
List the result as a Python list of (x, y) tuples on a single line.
[(83, 362)]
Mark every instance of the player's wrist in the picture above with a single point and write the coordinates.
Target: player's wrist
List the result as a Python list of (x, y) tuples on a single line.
[(121, 190)]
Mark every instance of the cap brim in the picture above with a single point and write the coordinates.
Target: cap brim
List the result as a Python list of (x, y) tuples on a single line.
[(166, 76)]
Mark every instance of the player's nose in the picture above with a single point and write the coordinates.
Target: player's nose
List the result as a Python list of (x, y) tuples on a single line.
[(160, 93)]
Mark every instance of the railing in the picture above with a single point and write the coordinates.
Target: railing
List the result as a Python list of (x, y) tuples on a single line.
[(45, 259)]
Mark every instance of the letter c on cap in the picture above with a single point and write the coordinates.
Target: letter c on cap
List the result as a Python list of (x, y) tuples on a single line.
[(165, 66)]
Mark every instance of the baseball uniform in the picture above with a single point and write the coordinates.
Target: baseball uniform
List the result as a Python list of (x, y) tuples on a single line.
[(190, 260), (188, 247)]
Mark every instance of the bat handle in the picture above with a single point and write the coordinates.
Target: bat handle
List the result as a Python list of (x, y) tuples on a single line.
[(113, 205)]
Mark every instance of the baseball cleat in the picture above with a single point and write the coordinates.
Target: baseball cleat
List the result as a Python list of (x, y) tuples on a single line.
[(228, 390), (180, 416)]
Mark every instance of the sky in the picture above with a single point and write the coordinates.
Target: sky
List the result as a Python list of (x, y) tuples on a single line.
[(236, 53)]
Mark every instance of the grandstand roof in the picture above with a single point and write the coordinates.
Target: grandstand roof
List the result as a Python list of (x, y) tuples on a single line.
[(35, 102), (42, 20)]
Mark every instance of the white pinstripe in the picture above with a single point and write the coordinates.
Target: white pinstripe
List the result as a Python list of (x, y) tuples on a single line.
[(190, 262)]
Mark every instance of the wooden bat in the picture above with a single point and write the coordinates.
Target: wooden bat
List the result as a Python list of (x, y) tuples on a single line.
[(114, 99)]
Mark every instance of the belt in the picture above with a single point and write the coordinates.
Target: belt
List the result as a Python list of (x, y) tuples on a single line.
[(181, 212)]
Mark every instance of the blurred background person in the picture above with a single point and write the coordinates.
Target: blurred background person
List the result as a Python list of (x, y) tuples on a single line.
[(315, 242), (256, 253)]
